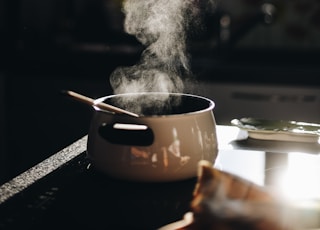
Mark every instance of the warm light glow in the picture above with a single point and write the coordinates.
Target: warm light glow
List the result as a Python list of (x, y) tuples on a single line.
[(301, 180)]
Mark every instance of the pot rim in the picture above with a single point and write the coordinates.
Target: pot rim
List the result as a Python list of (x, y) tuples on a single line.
[(209, 108)]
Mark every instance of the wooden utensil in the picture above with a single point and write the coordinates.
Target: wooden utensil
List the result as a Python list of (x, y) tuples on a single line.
[(100, 105)]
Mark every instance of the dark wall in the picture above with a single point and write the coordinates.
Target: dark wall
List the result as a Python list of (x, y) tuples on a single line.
[(87, 35), (46, 47), (2, 126)]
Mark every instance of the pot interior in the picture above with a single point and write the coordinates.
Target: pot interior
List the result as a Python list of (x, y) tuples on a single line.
[(150, 104)]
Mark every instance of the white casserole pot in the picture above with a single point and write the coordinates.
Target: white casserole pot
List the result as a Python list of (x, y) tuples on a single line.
[(172, 134)]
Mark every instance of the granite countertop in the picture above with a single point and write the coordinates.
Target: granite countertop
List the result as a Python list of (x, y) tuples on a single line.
[(42, 169)]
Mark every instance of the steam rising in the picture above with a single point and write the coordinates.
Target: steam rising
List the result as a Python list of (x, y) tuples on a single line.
[(162, 26)]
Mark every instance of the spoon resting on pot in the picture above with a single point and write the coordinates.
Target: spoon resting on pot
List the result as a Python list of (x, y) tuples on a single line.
[(100, 105)]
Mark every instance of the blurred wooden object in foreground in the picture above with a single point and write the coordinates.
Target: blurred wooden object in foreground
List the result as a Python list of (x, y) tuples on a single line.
[(223, 201)]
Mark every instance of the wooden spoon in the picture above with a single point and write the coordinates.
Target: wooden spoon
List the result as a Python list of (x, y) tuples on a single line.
[(100, 105)]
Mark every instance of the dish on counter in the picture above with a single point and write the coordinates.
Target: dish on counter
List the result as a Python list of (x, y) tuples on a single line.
[(280, 130)]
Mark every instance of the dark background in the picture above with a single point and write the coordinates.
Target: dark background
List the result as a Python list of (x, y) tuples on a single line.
[(50, 45)]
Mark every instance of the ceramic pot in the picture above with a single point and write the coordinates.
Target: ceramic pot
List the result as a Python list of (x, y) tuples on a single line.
[(173, 132)]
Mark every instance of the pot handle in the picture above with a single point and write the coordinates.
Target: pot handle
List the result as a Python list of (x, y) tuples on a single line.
[(127, 134)]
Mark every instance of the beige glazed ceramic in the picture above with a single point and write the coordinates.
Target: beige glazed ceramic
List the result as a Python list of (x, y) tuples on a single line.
[(165, 143)]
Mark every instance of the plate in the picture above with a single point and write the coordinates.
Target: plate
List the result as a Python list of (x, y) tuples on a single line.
[(279, 130)]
